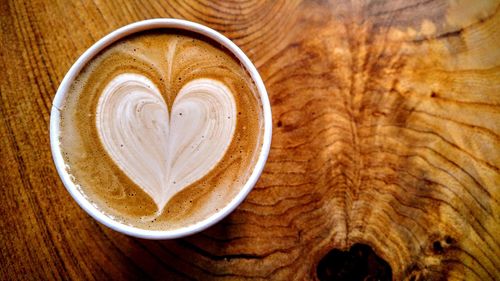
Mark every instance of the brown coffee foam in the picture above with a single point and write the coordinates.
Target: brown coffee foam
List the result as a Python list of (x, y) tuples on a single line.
[(147, 53)]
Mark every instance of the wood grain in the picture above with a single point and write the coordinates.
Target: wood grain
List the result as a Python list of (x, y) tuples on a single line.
[(386, 134)]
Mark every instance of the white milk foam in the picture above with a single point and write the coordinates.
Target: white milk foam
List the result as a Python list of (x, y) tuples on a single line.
[(164, 153)]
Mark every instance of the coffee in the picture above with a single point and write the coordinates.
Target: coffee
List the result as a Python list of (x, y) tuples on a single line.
[(161, 129)]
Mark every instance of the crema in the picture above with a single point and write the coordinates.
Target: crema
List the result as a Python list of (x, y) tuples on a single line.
[(161, 129)]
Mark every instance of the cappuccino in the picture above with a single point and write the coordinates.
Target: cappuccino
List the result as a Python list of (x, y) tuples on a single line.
[(161, 129)]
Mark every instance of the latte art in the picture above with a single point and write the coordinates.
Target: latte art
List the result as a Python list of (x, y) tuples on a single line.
[(161, 129), (164, 155)]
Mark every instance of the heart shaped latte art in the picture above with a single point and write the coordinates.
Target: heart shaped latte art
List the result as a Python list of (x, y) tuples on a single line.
[(164, 153)]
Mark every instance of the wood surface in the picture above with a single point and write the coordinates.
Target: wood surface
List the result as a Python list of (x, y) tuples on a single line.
[(386, 144)]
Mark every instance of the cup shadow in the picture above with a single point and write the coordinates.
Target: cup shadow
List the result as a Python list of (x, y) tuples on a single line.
[(190, 258)]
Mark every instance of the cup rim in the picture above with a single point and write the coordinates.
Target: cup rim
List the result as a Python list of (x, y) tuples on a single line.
[(109, 39)]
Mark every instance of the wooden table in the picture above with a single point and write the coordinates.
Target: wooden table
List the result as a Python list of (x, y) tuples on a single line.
[(385, 156)]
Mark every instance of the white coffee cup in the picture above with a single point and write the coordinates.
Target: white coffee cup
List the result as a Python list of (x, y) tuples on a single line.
[(114, 36)]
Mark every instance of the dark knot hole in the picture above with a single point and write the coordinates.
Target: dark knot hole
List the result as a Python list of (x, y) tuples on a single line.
[(358, 263)]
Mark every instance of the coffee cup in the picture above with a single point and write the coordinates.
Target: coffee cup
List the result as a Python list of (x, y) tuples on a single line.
[(216, 146)]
